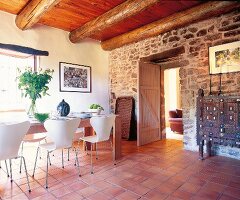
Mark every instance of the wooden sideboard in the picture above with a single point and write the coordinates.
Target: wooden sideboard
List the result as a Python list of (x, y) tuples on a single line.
[(218, 121)]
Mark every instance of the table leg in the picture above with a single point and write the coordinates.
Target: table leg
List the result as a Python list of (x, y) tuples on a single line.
[(117, 139), (201, 144), (209, 147)]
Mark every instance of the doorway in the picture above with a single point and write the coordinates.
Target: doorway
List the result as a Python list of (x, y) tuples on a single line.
[(173, 107), (151, 114), (159, 103), (150, 122)]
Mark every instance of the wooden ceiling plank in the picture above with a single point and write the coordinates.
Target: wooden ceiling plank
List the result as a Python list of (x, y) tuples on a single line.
[(60, 24), (68, 15), (13, 6), (89, 9), (33, 11), (127, 9), (200, 12)]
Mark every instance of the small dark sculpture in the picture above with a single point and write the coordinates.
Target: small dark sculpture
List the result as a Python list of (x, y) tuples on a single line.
[(63, 108)]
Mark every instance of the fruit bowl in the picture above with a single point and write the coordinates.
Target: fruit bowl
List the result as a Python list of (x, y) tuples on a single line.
[(95, 111)]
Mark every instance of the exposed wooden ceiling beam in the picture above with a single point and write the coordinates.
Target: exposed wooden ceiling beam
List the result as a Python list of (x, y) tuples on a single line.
[(113, 16), (203, 11), (32, 12)]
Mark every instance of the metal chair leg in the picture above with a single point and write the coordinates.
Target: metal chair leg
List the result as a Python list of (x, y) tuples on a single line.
[(79, 150), (68, 154), (77, 162), (0, 165), (62, 160), (49, 160), (24, 163), (40, 153), (10, 165), (35, 161), (86, 149), (91, 161), (47, 170), (96, 151), (20, 171), (78, 144), (6, 168)]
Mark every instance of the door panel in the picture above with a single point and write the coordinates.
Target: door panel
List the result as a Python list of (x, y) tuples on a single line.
[(149, 129)]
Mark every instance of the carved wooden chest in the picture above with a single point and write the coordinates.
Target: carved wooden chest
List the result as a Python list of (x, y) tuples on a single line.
[(218, 121)]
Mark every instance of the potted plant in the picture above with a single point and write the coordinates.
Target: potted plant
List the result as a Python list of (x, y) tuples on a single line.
[(34, 85), (95, 108), (41, 117)]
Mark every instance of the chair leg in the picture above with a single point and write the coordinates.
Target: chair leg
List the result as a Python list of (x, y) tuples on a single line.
[(40, 153), (77, 162), (49, 160), (96, 151), (7, 168), (24, 163), (20, 171), (0, 165), (86, 149), (62, 160), (91, 161), (10, 166), (68, 154), (47, 170), (35, 161), (53, 153)]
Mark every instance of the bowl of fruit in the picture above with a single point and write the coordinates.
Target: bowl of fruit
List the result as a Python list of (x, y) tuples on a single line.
[(95, 109)]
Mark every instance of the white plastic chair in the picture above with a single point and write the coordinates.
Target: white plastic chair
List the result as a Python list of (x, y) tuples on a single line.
[(61, 133), (102, 125), (79, 131), (11, 136), (32, 138)]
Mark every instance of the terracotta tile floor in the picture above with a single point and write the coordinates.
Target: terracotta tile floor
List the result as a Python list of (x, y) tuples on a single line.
[(161, 170)]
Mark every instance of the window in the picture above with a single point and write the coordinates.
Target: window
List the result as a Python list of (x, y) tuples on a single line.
[(10, 95)]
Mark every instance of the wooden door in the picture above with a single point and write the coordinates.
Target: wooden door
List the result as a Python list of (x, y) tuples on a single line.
[(149, 129)]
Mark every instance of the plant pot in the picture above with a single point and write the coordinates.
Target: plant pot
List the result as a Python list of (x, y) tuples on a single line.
[(95, 111)]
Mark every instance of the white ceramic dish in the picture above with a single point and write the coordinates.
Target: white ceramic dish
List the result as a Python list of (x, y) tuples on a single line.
[(95, 111)]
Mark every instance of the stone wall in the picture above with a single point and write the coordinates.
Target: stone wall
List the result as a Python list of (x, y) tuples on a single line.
[(194, 73)]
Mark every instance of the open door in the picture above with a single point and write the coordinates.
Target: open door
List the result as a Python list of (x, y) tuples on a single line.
[(149, 118)]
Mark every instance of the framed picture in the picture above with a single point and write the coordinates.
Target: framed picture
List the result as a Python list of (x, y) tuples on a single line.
[(224, 58), (74, 78)]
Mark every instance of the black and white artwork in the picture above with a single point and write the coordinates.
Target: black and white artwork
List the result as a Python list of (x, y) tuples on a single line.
[(74, 78)]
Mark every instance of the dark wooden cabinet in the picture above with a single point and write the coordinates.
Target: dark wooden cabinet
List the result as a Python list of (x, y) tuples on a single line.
[(218, 121)]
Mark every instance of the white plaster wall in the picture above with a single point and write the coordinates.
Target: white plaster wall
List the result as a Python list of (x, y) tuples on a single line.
[(60, 49)]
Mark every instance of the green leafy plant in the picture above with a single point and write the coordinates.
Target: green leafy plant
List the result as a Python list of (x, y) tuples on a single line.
[(34, 85), (41, 117), (96, 106)]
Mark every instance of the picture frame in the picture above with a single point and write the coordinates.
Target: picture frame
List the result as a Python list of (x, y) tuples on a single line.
[(224, 58), (74, 78)]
